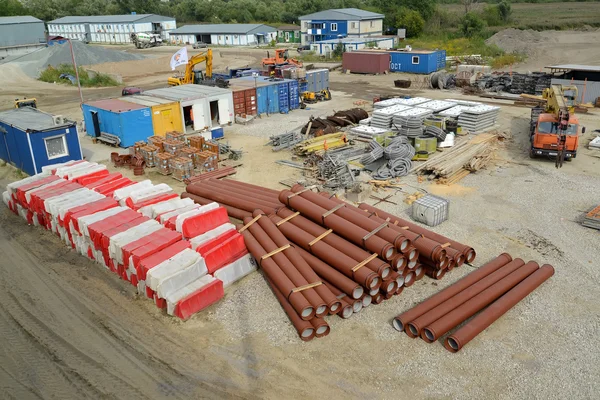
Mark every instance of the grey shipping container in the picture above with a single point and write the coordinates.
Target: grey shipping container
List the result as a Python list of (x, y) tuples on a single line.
[(318, 79)]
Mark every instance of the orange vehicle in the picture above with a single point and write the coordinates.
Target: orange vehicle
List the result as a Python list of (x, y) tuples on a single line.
[(281, 58), (555, 129)]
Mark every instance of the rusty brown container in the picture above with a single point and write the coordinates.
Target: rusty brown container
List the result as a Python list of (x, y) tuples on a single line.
[(366, 62)]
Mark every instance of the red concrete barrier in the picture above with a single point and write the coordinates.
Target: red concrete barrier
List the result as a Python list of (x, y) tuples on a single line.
[(202, 223), (225, 253), (199, 300)]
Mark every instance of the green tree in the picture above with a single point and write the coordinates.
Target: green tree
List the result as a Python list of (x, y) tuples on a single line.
[(505, 10), (471, 25), (410, 20), (12, 7), (338, 50)]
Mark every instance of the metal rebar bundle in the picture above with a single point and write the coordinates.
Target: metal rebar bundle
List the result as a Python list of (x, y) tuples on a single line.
[(284, 140)]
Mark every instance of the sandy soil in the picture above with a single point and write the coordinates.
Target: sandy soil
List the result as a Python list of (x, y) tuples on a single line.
[(73, 330), (550, 47)]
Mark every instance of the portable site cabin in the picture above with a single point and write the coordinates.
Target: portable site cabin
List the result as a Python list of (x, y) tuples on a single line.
[(201, 107), (166, 116), (32, 139), (417, 61), (128, 121)]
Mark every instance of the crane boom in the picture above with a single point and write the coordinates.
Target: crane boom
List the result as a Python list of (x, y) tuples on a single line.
[(556, 103)]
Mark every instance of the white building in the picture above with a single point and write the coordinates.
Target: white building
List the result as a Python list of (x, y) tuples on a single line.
[(224, 34), (340, 23), (326, 47), (115, 29)]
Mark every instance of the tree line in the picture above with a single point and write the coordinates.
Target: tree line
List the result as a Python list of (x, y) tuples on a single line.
[(413, 15)]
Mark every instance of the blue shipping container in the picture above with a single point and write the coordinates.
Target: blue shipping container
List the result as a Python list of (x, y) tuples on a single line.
[(294, 94), (130, 122), (267, 94), (32, 139), (283, 89), (417, 62)]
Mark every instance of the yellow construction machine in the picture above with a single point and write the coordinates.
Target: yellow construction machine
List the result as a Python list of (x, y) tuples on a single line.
[(25, 102), (313, 97), (192, 76)]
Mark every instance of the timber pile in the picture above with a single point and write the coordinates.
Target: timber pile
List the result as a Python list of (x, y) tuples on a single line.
[(466, 157)]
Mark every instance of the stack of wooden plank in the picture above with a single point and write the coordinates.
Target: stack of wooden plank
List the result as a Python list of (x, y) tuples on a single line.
[(465, 157)]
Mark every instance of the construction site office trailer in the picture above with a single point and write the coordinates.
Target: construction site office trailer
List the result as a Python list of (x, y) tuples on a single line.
[(130, 122), (31, 139), (202, 107), (166, 115)]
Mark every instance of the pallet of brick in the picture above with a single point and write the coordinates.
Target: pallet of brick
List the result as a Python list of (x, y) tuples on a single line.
[(175, 136), (157, 141), (207, 161), (173, 146), (189, 152), (196, 142), (163, 163), (212, 147), (149, 153), (137, 146), (181, 168)]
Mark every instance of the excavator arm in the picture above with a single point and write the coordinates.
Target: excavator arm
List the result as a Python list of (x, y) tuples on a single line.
[(188, 77)]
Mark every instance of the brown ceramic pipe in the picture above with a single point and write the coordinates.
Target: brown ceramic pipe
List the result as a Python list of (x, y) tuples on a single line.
[(296, 259), (341, 244), (252, 188), (283, 283), (326, 201), (440, 327), (226, 198), (467, 251), (329, 255), (305, 329), (341, 281), (233, 193), (339, 225), (461, 337), (321, 327), (402, 320), (415, 326), (426, 247), (354, 304), (271, 199), (287, 267), (231, 211)]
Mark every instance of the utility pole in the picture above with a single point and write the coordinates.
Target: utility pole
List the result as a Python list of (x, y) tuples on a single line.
[(76, 71)]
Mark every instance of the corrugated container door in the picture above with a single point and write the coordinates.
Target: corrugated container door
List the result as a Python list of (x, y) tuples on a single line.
[(262, 99), (284, 97), (303, 87), (273, 99), (166, 118), (294, 95), (250, 99), (239, 102)]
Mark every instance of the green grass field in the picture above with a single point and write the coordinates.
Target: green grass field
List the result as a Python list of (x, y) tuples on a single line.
[(543, 16)]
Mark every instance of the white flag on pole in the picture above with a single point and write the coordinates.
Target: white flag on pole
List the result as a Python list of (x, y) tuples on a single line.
[(179, 58)]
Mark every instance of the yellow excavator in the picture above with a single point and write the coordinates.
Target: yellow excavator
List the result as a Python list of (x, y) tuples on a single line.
[(192, 76)]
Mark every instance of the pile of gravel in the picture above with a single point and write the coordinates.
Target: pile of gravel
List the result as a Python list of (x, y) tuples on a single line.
[(516, 40), (34, 63)]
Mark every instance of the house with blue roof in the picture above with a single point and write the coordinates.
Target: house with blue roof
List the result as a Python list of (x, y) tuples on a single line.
[(340, 23)]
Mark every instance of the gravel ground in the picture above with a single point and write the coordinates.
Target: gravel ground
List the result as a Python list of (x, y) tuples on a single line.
[(543, 348)]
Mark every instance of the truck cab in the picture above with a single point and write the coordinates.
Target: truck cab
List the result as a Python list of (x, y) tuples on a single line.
[(544, 136)]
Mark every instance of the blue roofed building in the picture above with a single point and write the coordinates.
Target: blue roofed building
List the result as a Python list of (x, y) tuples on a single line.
[(340, 23)]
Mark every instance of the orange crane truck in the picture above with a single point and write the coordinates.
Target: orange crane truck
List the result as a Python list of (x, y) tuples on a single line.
[(555, 130)]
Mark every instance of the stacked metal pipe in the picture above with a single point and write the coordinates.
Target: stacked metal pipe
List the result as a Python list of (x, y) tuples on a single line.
[(498, 285)]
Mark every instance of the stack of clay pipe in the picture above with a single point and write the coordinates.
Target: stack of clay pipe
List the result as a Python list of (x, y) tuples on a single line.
[(239, 198), (491, 291), (361, 258)]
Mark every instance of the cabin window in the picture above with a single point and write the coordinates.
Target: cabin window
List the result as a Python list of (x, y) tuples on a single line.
[(56, 147)]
